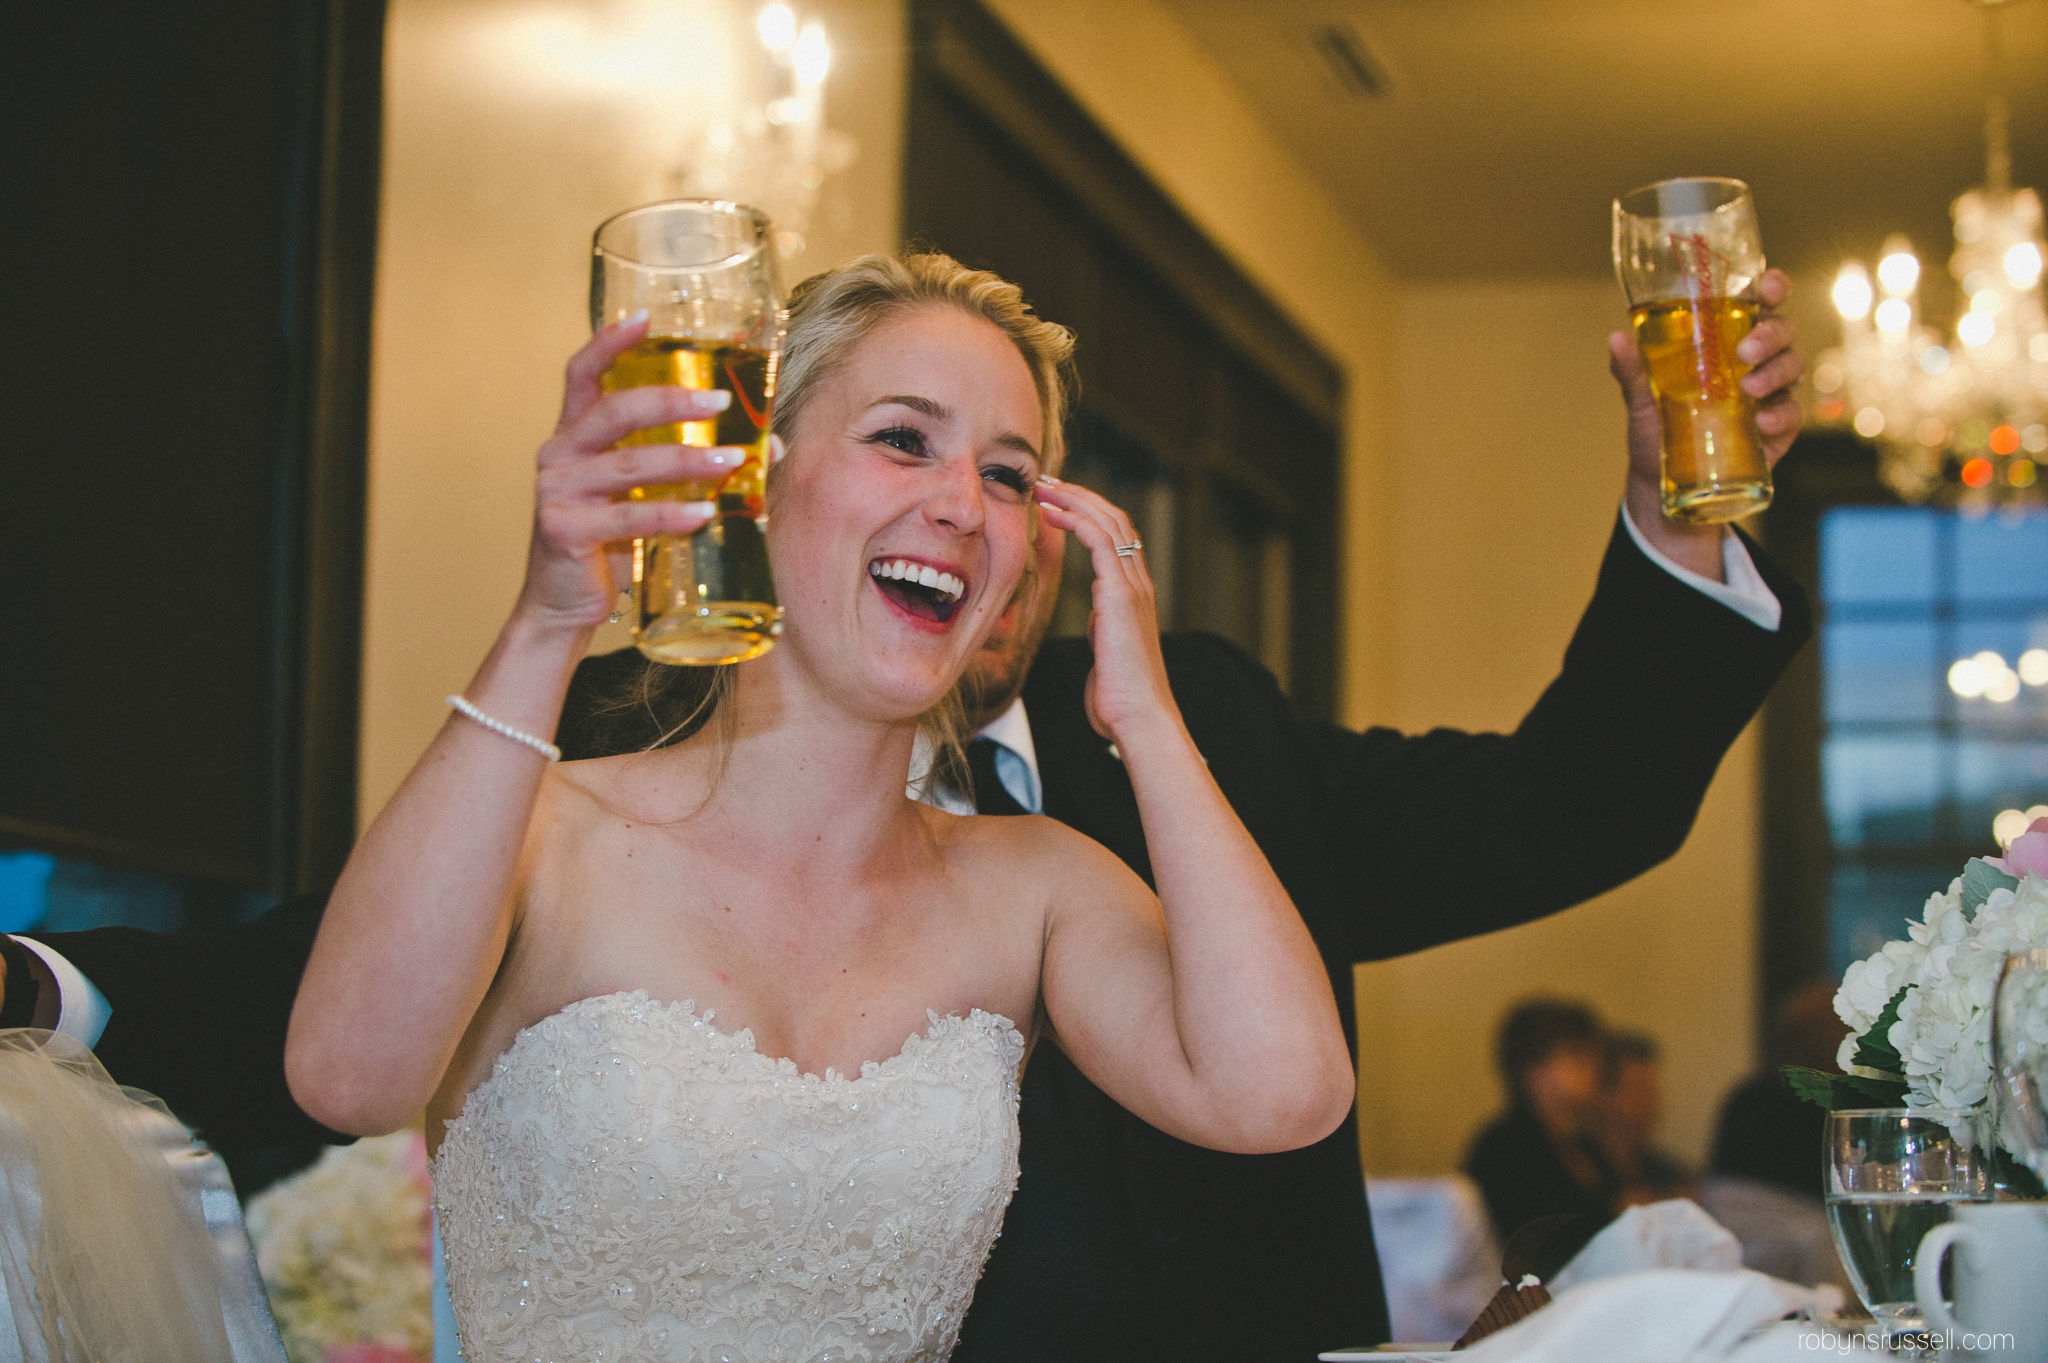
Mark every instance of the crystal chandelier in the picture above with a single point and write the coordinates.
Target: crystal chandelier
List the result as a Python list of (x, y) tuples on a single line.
[(1962, 418), (775, 154)]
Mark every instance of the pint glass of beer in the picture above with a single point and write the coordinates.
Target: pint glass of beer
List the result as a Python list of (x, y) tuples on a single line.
[(705, 271), (1688, 254)]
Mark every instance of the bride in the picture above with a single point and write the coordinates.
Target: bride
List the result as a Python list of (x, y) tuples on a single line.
[(656, 1005)]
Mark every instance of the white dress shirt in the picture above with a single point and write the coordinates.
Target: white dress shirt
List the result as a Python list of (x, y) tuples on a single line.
[(1745, 592), (82, 1011)]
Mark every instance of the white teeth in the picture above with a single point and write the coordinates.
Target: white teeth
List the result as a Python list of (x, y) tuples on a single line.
[(903, 570)]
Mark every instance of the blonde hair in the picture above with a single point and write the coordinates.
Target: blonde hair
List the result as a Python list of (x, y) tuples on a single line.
[(829, 315)]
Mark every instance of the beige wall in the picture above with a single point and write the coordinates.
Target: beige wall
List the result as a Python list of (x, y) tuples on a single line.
[(1510, 461), (512, 127)]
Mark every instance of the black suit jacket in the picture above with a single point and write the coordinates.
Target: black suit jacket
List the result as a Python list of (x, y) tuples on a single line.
[(1123, 1243), (200, 1017)]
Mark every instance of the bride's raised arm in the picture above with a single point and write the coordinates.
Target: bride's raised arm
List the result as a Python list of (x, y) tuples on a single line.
[(419, 920), (1208, 1012)]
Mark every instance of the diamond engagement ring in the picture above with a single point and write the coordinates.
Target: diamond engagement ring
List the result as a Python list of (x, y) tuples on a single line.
[(1129, 550)]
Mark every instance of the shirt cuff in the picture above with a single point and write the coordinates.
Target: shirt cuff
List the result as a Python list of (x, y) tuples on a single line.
[(1745, 592), (82, 1011)]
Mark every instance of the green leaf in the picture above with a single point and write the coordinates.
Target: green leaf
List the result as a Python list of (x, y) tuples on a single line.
[(1980, 878), (1835, 1092), (1875, 1051), (1814, 1086), (1855, 1090)]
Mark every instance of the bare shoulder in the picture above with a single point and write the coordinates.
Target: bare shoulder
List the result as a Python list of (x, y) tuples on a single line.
[(593, 781), (580, 811), (578, 797), (570, 798), (1033, 850)]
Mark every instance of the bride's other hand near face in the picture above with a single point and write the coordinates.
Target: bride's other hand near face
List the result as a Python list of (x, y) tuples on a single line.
[(1209, 1012)]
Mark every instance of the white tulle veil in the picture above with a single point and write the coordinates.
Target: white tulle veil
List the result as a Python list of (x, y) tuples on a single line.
[(106, 1252)]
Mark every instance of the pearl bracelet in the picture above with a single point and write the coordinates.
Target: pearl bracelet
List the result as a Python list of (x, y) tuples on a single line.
[(464, 708)]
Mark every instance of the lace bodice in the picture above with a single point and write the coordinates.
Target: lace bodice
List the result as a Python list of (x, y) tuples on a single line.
[(630, 1184)]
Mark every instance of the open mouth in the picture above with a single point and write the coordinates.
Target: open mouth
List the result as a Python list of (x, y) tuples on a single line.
[(919, 588)]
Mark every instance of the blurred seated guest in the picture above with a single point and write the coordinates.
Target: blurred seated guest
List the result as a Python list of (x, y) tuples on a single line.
[(1767, 1132), (1539, 1158), (1765, 1179), (1631, 1105)]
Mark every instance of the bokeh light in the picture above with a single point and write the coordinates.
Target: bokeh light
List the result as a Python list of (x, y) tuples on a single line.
[(1852, 293), (1899, 272), (2023, 265), (777, 27)]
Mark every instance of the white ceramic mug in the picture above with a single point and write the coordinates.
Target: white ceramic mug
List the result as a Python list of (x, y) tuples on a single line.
[(2000, 1279)]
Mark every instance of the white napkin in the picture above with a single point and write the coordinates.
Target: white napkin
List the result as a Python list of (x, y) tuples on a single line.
[(1674, 1234), (1662, 1315)]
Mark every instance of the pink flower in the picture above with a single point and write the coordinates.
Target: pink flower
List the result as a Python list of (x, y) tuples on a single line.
[(2027, 852), (370, 1353)]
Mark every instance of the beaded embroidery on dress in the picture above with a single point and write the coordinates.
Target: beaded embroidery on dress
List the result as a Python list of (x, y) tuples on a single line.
[(630, 1184)]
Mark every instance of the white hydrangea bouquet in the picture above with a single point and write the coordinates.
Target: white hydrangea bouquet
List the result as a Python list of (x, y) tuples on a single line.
[(1919, 1011), (344, 1249)]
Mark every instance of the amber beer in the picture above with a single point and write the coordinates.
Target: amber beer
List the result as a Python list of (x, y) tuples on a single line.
[(705, 274), (1688, 255), (1714, 467), (674, 579)]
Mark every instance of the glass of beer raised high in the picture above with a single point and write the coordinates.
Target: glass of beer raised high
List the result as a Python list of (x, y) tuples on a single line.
[(1688, 254), (705, 271)]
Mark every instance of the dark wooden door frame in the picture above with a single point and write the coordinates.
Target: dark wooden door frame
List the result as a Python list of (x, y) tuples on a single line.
[(317, 483), (965, 54), (324, 447)]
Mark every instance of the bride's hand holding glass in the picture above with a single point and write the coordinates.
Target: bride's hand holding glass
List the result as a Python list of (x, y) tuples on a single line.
[(583, 526), (436, 869)]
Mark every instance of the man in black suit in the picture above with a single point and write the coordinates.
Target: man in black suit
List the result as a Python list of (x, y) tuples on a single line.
[(1123, 1243)]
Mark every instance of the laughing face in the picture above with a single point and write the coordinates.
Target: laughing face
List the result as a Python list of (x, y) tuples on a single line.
[(900, 517)]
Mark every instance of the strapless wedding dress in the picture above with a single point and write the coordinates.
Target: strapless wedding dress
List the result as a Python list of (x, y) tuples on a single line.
[(631, 1184)]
